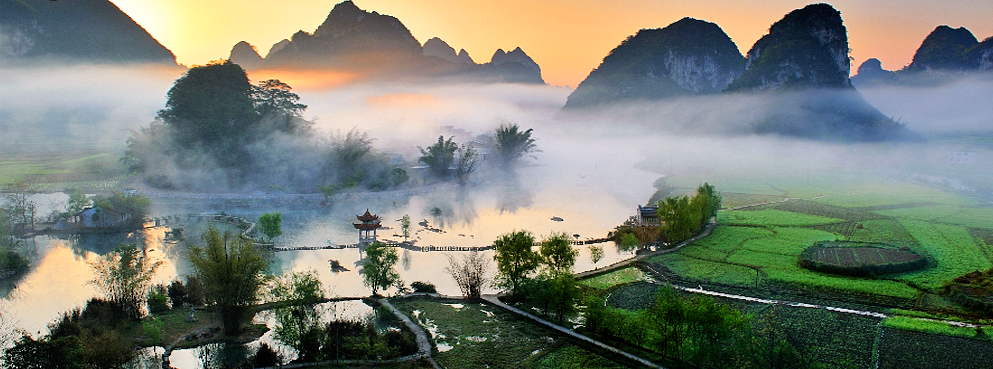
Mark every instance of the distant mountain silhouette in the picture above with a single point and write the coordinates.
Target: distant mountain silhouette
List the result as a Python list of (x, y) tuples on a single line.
[(807, 48), (75, 31), (871, 72), (800, 68), (803, 62), (945, 55), (946, 48), (380, 46), (687, 57), (245, 55)]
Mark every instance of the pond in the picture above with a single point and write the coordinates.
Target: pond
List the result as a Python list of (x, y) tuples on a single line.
[(573, 199)]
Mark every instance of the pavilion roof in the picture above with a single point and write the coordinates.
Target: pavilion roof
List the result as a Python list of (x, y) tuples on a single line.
[(367, 217)]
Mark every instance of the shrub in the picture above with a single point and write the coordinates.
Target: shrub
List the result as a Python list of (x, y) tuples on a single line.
[(158, 299), (423, 287)]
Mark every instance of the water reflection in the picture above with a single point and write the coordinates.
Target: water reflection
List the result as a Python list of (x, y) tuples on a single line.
[(473, 215)]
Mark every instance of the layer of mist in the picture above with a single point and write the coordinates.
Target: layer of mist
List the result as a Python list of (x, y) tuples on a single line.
[(61, 109)]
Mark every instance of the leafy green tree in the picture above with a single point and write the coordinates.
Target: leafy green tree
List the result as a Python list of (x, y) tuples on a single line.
[(680, 219), (378, 267), (131, 206), (270, 224), (516, 261), (708, 200), (211, 106), (348, 150), (124, 277), (274, 102), (77, 201), (298, 318), (231, 270), (327, 191), (558, 255), (439, 157), (405, 227), (596, 253), (512, 144)]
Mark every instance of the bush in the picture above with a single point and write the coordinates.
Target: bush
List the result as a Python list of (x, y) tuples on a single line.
[(158, 299), (423, 287)]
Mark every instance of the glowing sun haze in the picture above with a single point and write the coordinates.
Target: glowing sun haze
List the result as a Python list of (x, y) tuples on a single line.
[(567, 38)]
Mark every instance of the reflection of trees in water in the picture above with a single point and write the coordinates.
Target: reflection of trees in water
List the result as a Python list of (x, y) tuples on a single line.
[(222, 355), (510, 195), (405, 259), (448, 212)]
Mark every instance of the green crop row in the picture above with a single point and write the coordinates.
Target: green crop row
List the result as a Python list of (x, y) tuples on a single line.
[(952, 249), (935, 327), (772, 217), (617, 277)]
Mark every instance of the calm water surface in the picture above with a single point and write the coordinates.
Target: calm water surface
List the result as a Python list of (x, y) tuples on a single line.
[(589, 205)]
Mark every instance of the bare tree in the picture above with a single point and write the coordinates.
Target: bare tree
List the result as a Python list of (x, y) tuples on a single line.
[(471, 273)]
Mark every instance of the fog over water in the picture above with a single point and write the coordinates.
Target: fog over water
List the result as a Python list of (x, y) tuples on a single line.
[(592, 171)]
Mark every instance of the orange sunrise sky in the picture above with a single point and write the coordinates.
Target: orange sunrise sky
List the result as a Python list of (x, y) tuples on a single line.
[(567, 38)]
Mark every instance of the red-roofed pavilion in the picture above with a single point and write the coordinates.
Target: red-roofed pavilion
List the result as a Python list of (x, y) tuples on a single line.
[(367, 229)]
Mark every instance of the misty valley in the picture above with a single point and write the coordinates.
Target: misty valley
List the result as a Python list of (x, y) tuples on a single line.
[(355, 198)]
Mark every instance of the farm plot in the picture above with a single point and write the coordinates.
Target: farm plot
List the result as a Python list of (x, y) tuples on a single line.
[(705, 270), (474, 335), (824, 210), (617, 277), (772, 217), (902, 349), (952, 249), (859, 259), (837, 340)]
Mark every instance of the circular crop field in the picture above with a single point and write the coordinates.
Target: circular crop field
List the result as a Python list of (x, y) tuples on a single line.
[(860, 259)]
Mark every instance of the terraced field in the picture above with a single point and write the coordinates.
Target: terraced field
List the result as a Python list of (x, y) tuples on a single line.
[(760, 246)]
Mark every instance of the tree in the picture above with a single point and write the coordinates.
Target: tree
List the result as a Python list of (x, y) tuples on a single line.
[(270, 224), (470, 273), (327, 191), (513, 144), (298, 318), (273, 101), (19, 209), (124, 276), (707, 200), (231, 270), (596, 253), (467, 159), (405, 227), (77, 202), (211, 106), (558, 255), (378, 268), (133, 207), (347, 152), (679, 218), (515, 259), (439, 157)]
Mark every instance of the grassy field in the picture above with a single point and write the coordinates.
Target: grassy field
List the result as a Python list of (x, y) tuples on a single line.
[(760, 245), (86, 170)]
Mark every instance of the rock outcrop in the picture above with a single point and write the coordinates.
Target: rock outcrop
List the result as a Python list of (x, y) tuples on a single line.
[(688, 57), (946, 48), (808, 48), (91, 31)]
